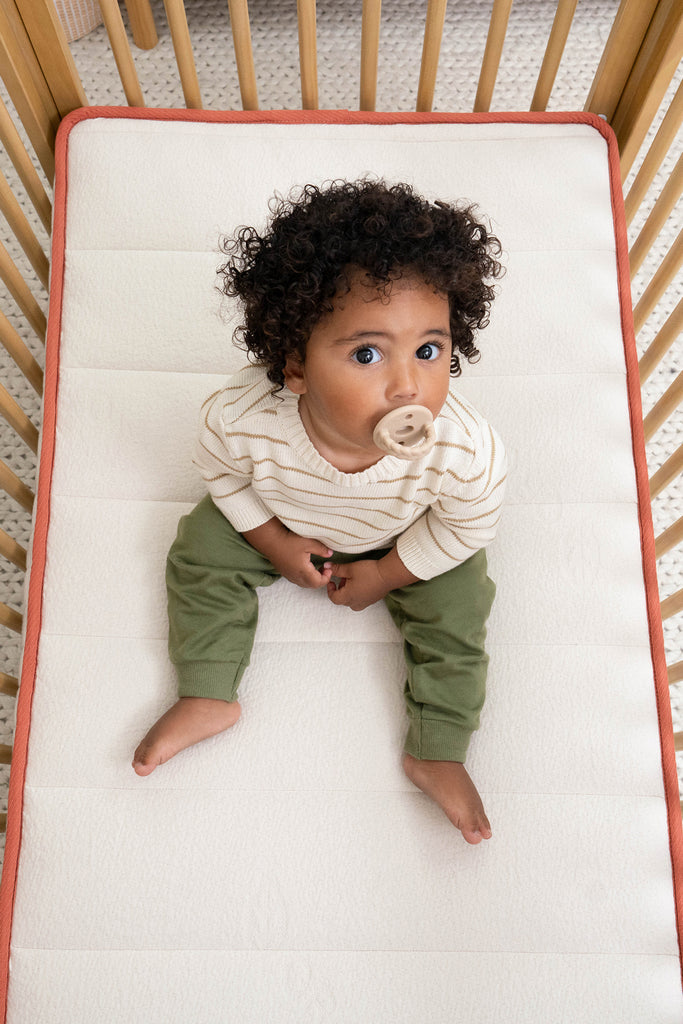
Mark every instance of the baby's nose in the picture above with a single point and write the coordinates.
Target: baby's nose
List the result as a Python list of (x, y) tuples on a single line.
[(403, 383)]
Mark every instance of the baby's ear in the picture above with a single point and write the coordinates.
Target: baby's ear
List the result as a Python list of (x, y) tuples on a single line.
[(295, 378)]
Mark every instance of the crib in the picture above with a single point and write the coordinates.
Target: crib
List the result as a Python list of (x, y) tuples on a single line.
[(633, 105)]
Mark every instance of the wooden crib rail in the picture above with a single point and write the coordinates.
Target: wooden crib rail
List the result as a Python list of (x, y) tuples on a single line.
[(631, 87), (639, 60)]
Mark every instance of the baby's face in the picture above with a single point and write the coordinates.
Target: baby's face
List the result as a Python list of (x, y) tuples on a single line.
[(372, 354)]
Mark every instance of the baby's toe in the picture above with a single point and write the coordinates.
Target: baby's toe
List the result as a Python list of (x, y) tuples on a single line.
[(145, 760), (474, 832)]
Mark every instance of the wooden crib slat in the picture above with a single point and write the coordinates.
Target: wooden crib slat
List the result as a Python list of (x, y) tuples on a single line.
[(182, 45), (564, 15), (11, 140), (34, 105), (667, 473), (18, 419), (655, 66), (22, 295), (661, 343), (665, 203), (11, 619), (18, 222), (492, 54), (659, 283), (5, 754), (667, 540), (660, 147), (628, 30), (118, 40), (9, 685), (142, 24), (369, 53), (666, 405), (675, 673), (49, 41), (431, 47), (16, 488), (244, 56), (308, 54), (672, 605), (14, 345), (12, 551)]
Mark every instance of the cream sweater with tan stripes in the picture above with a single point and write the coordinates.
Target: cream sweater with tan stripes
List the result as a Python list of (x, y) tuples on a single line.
[(258, 462)]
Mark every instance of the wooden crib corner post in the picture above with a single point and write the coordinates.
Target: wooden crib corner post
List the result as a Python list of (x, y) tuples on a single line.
[(648, 81), (51, 47), (628, 31), (27, 87)]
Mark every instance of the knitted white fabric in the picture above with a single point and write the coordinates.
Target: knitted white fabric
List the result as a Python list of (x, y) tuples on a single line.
[(258, 462)]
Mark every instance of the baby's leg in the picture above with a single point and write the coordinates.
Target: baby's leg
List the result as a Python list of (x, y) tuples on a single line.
[(190, 720), (211, 576), (443, 622)]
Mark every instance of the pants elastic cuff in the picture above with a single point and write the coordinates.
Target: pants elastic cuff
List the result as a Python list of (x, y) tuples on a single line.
[(207, 679), (434, 740)]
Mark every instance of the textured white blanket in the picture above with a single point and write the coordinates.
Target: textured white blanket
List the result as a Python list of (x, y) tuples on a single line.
[(287, 871)]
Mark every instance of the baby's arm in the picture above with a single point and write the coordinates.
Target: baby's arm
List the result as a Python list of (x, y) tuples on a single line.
[(366, 582), (290, 554)]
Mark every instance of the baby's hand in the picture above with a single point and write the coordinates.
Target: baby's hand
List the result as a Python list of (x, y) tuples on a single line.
[(290, 554), (293, 561), (360, 585)]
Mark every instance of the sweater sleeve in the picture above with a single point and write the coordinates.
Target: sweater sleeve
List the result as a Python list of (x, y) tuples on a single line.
[(465, 515), (227, 476)]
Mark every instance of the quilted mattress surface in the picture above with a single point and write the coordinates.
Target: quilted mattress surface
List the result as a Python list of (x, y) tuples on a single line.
[(287, 871)]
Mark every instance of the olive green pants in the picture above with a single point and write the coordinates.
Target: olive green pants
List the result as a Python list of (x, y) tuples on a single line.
[(212, 577)]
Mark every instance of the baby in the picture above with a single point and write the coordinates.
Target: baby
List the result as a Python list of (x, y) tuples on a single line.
[(359, 299)]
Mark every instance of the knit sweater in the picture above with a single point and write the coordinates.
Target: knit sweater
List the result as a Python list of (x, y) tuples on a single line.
[(258, 462)]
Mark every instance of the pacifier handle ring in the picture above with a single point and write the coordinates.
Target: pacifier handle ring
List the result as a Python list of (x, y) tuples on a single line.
[(413, 451)]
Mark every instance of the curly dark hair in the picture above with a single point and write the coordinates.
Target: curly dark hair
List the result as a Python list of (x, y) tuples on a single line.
[(317, 238)]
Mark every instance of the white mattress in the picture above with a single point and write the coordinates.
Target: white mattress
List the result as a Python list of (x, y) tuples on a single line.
[(287, 871)]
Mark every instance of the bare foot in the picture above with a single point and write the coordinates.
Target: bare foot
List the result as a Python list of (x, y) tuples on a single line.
[(190, 720), (449, 785)]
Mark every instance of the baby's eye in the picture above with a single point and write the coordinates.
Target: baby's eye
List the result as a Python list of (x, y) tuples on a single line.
[(366, 355), (429, 351)]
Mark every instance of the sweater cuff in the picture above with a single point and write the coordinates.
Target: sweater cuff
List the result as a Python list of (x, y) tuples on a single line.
[(420, 555)]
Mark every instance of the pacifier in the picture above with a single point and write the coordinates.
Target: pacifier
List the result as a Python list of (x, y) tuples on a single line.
[(407, 432)]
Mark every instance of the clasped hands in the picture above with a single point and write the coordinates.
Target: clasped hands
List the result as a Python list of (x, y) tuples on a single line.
[(355, 585)]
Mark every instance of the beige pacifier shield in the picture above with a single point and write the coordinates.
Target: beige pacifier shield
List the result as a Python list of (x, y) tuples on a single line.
[(407, 432)]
